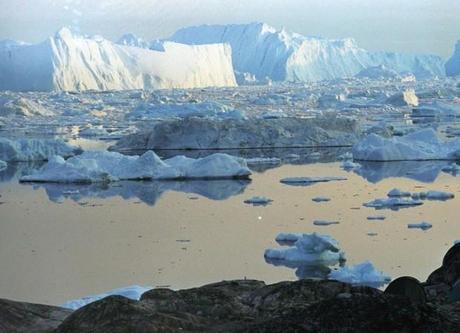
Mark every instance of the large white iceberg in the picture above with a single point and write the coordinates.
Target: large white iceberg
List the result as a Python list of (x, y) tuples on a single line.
[(71, 62), (23, 150), (423, 144), (307, 248), (132, 292), (360, 274), (102, 166), (264, 51)]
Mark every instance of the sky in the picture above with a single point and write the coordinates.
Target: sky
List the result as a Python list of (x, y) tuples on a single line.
[(416, 26)]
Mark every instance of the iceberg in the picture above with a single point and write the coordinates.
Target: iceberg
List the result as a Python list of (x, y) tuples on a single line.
[(420, 145), (22, 106), (72, 62), (398, 193), (102, 166), (305, 181), (393, 203), (3, 165), (421, 225), (205, 133), (279, 55), (360, 274), (307, 248), (258, 201), (24, 150), (132, 292), (453, 64)]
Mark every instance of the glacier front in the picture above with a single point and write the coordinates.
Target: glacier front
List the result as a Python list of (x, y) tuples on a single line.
[(266, 52), (70, 62)]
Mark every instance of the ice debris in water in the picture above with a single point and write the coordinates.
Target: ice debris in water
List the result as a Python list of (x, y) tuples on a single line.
[(324, 222), (452, 168), (309, 180), (393, 203), (263, 160), (430, 195), (423, 144), (360, 274), (103, 166), (312, 248), (376, 218), (421, 225), (132, 292), (24, 150), (258, 201), (321, 199), (349, 165)]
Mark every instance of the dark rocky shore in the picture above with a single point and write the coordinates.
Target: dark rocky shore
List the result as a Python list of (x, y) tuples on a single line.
[(252, 306)]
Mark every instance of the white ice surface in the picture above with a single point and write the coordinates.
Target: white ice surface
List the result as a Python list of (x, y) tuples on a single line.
[(360, 274), (103, 166), (423, 144), (307, 248), (72, 62)]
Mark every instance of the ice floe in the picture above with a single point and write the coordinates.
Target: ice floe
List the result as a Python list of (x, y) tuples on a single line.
[(324, 222), (23, 150), (102, 166), (393, 203), (132, 292), (321, 199), (311, 248), (258, 201), (394, 193), (305, 181), (423, 144), (421, 225), (360, 274)]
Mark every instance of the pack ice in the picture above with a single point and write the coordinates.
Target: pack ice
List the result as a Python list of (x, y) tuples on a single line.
[(102, 166), (310, 248), (71, 62), (24, 150), (420, 145), (265, 52)]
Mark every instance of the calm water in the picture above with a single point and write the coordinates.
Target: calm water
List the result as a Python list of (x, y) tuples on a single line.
[(64, 242)]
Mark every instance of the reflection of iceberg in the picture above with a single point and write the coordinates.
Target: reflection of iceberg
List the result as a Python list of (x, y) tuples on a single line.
[(426, 171), (16, 170), (146, 191)]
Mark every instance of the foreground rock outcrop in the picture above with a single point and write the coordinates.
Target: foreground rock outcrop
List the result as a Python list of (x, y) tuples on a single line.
[(252, 306), (202, 133)]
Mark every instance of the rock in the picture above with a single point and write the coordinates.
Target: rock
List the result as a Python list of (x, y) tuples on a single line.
[(449, 272), (409, 287), (30, 318)]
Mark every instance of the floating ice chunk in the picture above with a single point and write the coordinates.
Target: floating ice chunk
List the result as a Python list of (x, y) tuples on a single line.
[(349, 165), (3, 165), (345, 156), (393, 203), (90, 131), (324, 222), (24, 150), (24, 107), (258, 201), (360, 274), (132, 292), (321, 199), (397, 193), (420, 145), (376, 218), (305, 181), (102, 166), (421, 225), (439, 195), (312, 248), (452, 168)]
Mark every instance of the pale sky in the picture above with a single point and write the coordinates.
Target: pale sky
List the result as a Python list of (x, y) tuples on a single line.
[(422, 26)]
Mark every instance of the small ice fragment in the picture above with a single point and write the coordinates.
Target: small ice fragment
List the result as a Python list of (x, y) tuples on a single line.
[(372, 234), (309, 180), (321, 199), (376, 218), (421, 225), (349, 165), (393, 203), (324, 223), (263, 160), (258, 201), (439, 195)]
